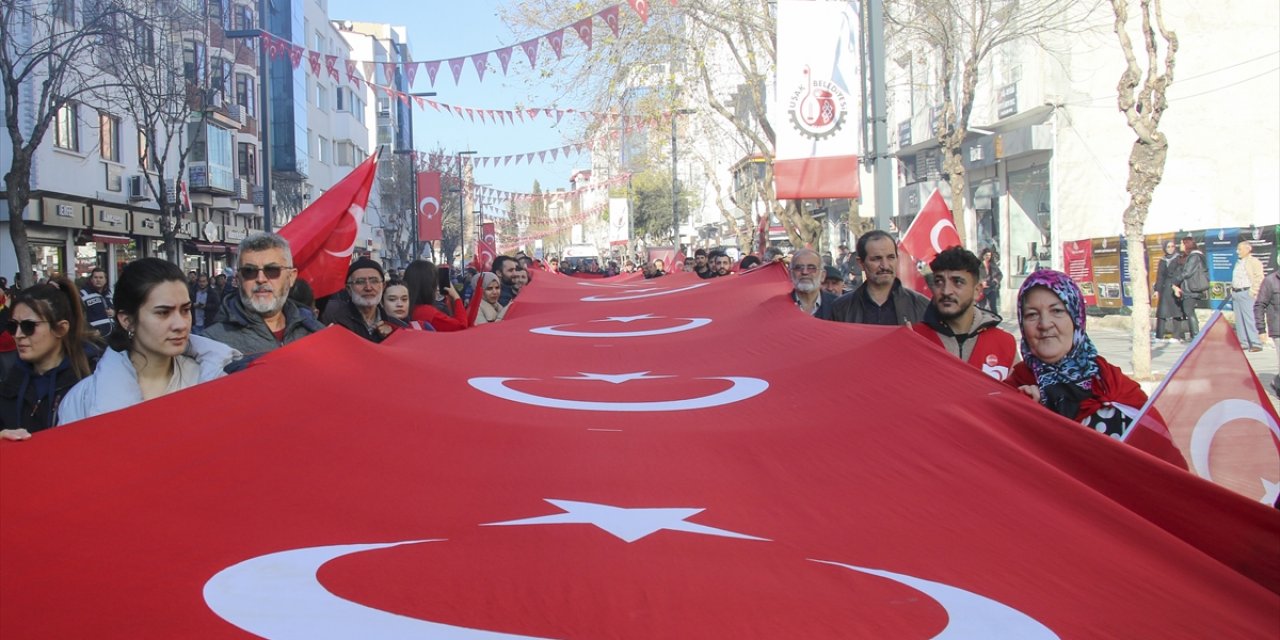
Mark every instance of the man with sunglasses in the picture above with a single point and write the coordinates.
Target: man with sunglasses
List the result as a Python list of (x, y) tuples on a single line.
[(362, 314), (262, 318)]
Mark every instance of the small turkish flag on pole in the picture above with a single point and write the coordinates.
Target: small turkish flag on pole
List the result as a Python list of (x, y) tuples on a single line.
[(323, 236), (933, 230), (1219, 415)]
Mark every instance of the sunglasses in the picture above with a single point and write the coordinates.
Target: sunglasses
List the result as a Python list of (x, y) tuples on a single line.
[(250, 272), (28, 326)]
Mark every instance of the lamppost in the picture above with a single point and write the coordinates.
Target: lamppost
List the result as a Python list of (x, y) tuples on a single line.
[(675, 187), (462, 216), (264, 108)]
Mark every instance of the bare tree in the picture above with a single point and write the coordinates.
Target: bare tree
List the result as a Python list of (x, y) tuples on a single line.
[(961, 35), (47, 63), (1140, 95), (144, 53), (707, 43)]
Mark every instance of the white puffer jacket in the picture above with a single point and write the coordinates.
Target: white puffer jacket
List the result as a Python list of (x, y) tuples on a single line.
[(114, 384)]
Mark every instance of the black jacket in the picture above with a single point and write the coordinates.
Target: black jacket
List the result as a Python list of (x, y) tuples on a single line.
[(908, 304), (29, 401), (349, 317)]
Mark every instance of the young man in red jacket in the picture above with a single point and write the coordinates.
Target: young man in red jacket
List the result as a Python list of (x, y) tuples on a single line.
[(955, 323)]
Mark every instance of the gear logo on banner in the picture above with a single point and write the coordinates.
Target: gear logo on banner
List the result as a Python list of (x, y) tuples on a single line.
[(818, 108)]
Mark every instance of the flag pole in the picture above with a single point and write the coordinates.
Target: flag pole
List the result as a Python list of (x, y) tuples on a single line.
[(1217, 314)]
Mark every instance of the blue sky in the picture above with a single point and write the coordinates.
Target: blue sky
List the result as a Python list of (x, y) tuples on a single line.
[(439, 30)]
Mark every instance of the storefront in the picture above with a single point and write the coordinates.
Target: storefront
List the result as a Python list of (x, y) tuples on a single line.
[(148, 239), (102, 246), (51, 242)]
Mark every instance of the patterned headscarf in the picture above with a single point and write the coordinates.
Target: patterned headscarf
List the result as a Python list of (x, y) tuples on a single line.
[(1080, 364)]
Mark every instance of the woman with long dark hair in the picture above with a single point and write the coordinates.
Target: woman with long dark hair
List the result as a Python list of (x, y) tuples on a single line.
[(155, 353), (422, 279), (1194, 283), (55, 351)]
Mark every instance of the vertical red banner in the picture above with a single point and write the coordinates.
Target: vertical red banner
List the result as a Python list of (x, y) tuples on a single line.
[(430, 222), (487, 247), (1077, 262)]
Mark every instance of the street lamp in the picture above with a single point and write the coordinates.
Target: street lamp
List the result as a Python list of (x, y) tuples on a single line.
[(264, 108), (462, 246), (675, 188)]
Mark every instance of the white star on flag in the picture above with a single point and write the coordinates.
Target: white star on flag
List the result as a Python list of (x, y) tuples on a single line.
[(1271, 491), (615, 378), (644, 316), (626, 524)]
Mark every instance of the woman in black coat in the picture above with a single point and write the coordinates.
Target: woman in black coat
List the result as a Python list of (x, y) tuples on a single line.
[(1169, 307), (1193, 286)]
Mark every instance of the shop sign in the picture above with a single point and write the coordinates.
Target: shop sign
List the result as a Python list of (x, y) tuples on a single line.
[(113, 219), (904, 133), (63, 213), (235, 234), (1007, 101)]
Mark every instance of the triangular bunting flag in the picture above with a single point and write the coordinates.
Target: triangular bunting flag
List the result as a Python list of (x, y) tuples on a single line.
[(506, 160), (610, 17), (481, 62), (556, 40), (641, 8), (528, 158), (554, 153), (458, 110), (433, 67), (422, 102), (389, 72), (504, 58), (455, 65), (403, 97), (313, 58), (368, 70), (531, 50), (583, 28), (533, 114), (411, 71), (331, 65), (295, 55), (434, 105), (471, 114), (542, 156)]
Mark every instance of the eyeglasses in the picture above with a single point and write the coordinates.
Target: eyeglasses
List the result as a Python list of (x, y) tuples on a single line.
[(360, 282), (805, 268), (28, 326), (250, 272)]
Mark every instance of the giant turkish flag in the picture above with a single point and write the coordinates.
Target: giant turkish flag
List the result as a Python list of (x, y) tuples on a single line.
[(620, 458), (323, 236)]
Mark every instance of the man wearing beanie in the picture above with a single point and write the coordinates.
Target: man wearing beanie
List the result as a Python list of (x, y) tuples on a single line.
[(362, 315)]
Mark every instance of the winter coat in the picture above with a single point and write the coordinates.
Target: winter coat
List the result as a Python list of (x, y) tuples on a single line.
[(1266, 309), (908, 304), (1168, 274), (114, 384), (245, 331)]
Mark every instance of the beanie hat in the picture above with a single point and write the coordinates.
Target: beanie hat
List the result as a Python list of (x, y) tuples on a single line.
[(365, 263)]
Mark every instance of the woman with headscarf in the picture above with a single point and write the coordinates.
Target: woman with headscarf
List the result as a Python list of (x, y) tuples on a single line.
[(485, 307), (1169, 305), (1060, 367)]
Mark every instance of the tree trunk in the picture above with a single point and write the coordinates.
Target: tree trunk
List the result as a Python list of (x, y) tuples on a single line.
[(17, 182), (1146, 169), (953, 165)]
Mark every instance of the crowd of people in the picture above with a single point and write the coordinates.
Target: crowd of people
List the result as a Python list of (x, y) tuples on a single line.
[(70, 352)]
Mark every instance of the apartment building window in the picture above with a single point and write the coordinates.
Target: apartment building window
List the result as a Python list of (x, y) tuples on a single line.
[(339, 99), (244, 17), (109, 132), (213, 147), (224, 81), (144, 152), (144, 42), (385, 134), (66, 127), (218, 11), (247, 162), (357, 108), (65, 10), (246, 85), (324, 153), (344, 154), (322, 97), (194, 68)]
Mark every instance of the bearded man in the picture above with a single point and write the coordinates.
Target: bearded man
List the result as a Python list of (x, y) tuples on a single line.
[(807, 274), (953, 322), (262, 318)]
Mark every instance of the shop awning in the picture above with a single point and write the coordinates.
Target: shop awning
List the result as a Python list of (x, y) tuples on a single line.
[(206, 247), (106, 238)]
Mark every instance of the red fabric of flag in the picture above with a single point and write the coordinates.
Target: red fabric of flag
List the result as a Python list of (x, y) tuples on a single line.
[(323, 236), (619, 458), (1219, 415), (933, 230), (430, 220)]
